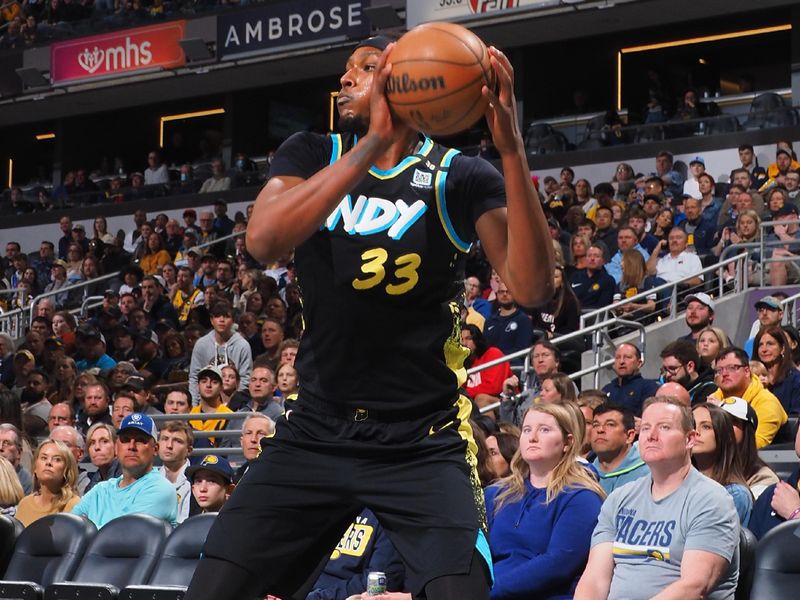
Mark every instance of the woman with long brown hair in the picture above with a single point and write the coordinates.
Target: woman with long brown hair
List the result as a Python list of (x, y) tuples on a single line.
[(63, 388), (55, 478), (714, 454), (541, 517), (634, 281), (771, 347)]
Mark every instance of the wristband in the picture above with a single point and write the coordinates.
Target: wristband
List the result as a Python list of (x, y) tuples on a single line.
[(793, 514)]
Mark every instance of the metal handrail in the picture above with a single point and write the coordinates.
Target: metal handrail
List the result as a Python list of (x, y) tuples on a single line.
[(597, 329), (762, 243), (224, 238), (68, 288), (672, 287)]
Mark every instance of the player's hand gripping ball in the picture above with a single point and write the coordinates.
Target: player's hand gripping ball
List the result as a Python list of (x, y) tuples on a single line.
[(438, 72)]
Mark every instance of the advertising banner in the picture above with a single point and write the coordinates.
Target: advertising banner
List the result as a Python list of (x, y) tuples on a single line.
[(295, 22), (422, 11), (117, 53)]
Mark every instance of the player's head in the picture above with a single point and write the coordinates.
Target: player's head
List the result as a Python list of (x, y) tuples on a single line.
[(353, 100)]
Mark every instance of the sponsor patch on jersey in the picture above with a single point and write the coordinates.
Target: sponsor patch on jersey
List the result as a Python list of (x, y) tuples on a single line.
[(422, 179)]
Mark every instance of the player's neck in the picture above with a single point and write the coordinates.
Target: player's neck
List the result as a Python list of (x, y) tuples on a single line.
[(404, 145)]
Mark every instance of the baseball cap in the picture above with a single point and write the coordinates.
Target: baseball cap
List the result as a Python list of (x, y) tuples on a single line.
[(215, 464), (769, 302), (698, 159), (213, 369), (786, 209), (778, 151), (107, 238), (703, 299), (60, 263), (740, 409), (141, 422), (79, 227), (87, 331), (26, 354), (135, 382), (147, 334)]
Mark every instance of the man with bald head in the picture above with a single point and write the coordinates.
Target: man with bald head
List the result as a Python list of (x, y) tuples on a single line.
[(629, 389), (675, 390)]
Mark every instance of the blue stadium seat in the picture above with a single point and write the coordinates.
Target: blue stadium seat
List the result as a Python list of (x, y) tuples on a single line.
[(124, 552), (48, 550)]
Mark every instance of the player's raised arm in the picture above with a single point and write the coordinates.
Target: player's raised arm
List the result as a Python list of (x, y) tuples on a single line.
[(516, 239), (289, 209)]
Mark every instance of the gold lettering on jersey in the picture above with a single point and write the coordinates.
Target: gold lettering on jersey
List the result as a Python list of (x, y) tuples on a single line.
[(355, 540), (405, 274), (369, 216)]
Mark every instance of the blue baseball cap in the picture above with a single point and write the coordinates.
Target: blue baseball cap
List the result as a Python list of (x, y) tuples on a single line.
[(141, 422), (215, 464), (698, 159)]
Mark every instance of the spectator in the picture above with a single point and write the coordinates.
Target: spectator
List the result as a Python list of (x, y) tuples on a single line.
[(734, 378), (672, 179), (542, 515), (697, 166), (629, 389), (606, 233), (156, 171), (613, 442), (65, 224), (60, 414), (55, 489), (508, 329), (699, 231), (557, 388), (485, 386), (156, 304), (221, 346), (745, 422), (177, 402), (95, 406), (770, 314), (288, 384), (219, 181), (186, 296), (140, 489), (10, 489), (65, 379), (680, 363), (155, 255), (223, 224), (562, 314), (209, 387), (699, 314), (211, 483), (781, 273), (714, 455), (11, 450), (679, 265), (593, 287), (93, 346), (773, 350), (260, 392), (124, 405), (697, 525), (255, 427), (6, 359), (502, 447), (207, 232), (101, 440), (627, 239), (634, 280), (175, 441)]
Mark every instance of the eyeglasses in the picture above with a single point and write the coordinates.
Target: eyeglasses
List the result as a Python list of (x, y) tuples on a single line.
[(728, 369), (671, 370)]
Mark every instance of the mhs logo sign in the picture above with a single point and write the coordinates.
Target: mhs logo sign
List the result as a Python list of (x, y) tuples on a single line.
[(118, 53)]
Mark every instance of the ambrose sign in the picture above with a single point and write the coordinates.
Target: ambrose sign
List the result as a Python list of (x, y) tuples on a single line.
[(268, 27), (118, 53)]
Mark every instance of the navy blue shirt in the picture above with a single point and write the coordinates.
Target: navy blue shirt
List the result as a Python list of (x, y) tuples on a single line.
[(510, 333), (763, 518), (593, 290), (788, 392), (631, 391)]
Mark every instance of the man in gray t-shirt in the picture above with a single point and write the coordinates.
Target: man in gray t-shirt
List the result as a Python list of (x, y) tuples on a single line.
[(675, 531)]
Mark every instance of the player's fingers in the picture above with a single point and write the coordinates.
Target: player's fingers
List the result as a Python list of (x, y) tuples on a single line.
[(383, 68)]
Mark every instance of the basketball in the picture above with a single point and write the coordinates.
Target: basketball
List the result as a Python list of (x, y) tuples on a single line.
[(438, 71)]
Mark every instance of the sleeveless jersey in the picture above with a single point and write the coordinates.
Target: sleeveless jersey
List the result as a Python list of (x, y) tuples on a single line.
[(380, 282)]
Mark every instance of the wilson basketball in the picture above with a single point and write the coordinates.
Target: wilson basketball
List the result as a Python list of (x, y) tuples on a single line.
[(438, 70)]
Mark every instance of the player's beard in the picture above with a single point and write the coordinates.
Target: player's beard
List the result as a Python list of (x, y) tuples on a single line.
[(356, 124)]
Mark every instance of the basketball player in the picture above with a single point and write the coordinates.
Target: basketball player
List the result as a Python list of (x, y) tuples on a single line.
[(381, 219)]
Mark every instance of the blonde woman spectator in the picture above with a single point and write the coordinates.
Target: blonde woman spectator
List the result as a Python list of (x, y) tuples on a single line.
[(55, 476), (10, 489), (552, 499), (709, 342)]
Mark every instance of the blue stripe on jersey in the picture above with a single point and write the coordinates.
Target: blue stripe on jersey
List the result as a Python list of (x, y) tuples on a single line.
[(408, 161), (336, 147), (441, 203), (482, 546)]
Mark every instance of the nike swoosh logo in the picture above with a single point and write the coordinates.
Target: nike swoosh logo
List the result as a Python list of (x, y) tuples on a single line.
[(434, 430), (576, 285)]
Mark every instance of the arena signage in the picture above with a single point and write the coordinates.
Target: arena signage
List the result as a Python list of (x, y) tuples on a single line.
[(118, 53), (298, 22), (422, 11)]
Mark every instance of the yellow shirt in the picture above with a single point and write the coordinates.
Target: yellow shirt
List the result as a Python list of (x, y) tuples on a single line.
[(28, 511), (769, 410), (150, 262), (209, 424)]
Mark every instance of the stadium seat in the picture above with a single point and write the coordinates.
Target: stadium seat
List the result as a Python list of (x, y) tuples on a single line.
[(770, 110), (177, 562), (777, 570), (124, 552), (747, 560), (48, 550), (541, 138), (722, 124), (10, 530), (649, 133)]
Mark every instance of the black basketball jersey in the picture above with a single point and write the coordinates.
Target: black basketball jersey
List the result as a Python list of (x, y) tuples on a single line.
[(381, 277)]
